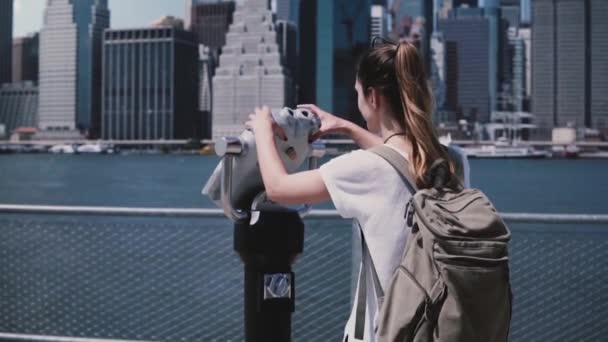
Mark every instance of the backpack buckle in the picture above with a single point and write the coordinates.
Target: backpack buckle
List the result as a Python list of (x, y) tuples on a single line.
[(409, 213)]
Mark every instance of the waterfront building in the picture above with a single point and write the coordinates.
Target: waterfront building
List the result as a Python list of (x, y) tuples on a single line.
[(469, 90), (250, 71), (598, 42), (150, 84), (18, 105), (570, 74), (26, 58), (70, 67)]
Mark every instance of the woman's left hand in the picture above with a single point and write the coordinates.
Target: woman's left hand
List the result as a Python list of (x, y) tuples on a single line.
[(261, 123)]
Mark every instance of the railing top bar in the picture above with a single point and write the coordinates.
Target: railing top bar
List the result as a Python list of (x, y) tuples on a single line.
[(218, 213), (109, 211), (129, 211), (38, 338), (324, 141), (555, 218)]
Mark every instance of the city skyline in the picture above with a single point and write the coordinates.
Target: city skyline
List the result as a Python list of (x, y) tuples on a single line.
[(498, 80)]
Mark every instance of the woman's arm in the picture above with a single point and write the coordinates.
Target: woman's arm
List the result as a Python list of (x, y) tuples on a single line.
[(302, 187)]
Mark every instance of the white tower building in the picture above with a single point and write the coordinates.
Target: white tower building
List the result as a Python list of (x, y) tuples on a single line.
[(250, 72), (70, 67)]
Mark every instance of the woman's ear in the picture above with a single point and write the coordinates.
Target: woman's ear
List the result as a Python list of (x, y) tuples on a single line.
[(374, 98)]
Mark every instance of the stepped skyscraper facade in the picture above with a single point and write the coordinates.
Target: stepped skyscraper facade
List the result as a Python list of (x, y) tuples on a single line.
[(250, 72), (70, 67)]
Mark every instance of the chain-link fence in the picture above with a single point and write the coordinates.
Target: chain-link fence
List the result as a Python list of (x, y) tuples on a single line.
[(559, 275), (170, 279), (155, 279)]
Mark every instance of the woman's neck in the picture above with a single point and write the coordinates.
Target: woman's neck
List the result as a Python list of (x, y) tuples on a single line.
[(396, 138)]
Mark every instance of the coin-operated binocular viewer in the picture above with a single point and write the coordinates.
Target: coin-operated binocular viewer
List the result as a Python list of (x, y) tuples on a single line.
[(267, 236)]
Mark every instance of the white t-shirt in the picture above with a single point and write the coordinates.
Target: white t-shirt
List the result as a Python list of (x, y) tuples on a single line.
[(365, 187)]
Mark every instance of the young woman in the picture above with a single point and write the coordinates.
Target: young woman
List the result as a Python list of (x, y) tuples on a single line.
[(396, 103)]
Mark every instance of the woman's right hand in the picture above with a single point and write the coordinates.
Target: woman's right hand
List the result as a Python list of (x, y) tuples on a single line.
[(329, 122)]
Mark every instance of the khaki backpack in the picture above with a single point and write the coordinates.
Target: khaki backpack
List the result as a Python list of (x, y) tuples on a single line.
[(453, 280)]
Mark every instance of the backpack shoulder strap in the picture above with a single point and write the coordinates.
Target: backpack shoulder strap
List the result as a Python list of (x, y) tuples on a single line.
[(401, 165), (367, 264), (398, 162)]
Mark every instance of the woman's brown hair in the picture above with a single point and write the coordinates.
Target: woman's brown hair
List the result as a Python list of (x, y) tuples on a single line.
[(398, 72)]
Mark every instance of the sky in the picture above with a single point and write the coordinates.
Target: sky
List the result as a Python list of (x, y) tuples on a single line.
[(123, 13)]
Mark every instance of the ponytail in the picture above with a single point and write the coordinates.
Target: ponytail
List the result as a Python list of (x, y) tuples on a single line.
[(399, 73)]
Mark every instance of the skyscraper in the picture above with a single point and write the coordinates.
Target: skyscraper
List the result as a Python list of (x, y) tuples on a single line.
[(307, 52), (342, 35), (467, 38), (544, 75), (6, 40), (599, 67), (491, 11), (511, 12), (250, 72), (526, 9), (525, 33), (570, 77), (287, 38), (150, 84), (518, 69), (287, 10), (70, 67), (378, 21), (438, 75), (26, 52), (205, 98)]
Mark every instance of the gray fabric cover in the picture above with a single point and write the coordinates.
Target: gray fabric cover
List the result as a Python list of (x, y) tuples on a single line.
[(298, 125)]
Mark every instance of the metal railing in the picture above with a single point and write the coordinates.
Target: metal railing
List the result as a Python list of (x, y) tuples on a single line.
[(314, 214), (40, 338), (537, 143), (170, 274)]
